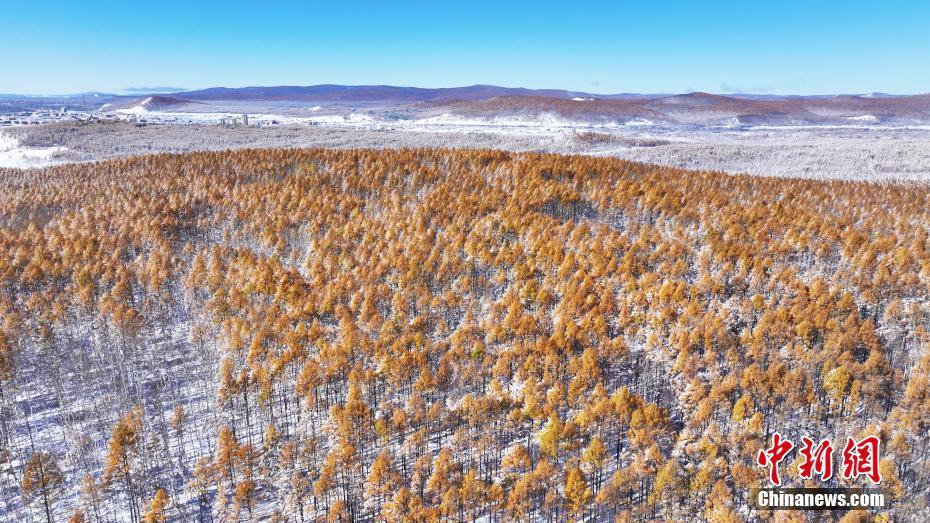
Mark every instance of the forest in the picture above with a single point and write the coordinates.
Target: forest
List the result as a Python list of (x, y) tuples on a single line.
[(426, 335)]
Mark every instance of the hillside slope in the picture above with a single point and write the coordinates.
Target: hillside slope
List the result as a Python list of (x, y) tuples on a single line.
[(704, 109)]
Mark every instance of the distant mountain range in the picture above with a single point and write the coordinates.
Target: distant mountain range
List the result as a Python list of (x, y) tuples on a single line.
[(340, 93), (495, 102), (382, 93), (390, 93)]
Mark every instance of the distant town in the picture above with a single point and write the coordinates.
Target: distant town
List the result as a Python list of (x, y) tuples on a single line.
[(47, 116)]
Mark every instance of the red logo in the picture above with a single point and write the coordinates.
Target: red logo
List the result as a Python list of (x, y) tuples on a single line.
[(859, 458), (774, 455), (819, 460)]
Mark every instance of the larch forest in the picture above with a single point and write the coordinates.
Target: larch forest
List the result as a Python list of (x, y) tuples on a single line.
[(448, 335)]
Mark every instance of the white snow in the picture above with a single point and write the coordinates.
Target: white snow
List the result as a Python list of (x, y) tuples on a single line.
[(640, 122), (838, 127), (137, 109), (359, 117), (543, 120), (208, 118), (15, 156), (862, 118)]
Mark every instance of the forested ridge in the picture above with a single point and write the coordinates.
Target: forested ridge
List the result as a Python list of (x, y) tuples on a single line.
[(449, 335)]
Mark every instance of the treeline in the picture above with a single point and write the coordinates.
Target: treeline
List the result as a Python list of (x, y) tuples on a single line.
[(436, 335)]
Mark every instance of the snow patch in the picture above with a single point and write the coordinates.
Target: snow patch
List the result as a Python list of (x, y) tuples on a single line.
[(14, 156), (863, 118), (359, 118), (640, 122), (542, 120), (139, 108)]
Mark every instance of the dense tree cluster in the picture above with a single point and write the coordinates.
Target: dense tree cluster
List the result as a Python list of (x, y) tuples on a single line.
[(435, 335)]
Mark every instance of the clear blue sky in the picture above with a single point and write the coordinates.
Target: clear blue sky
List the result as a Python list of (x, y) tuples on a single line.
[(804, 47)]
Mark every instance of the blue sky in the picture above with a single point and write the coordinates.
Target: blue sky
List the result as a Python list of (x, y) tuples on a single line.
[(604, 47)]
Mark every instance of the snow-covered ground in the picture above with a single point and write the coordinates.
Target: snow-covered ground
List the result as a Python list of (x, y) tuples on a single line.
[(137, 109), (445, 122), (451, 122), (140, 113), (861, 149), (12, 154)]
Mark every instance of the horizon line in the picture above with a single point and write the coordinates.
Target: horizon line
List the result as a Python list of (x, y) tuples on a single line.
[(132, 92)]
